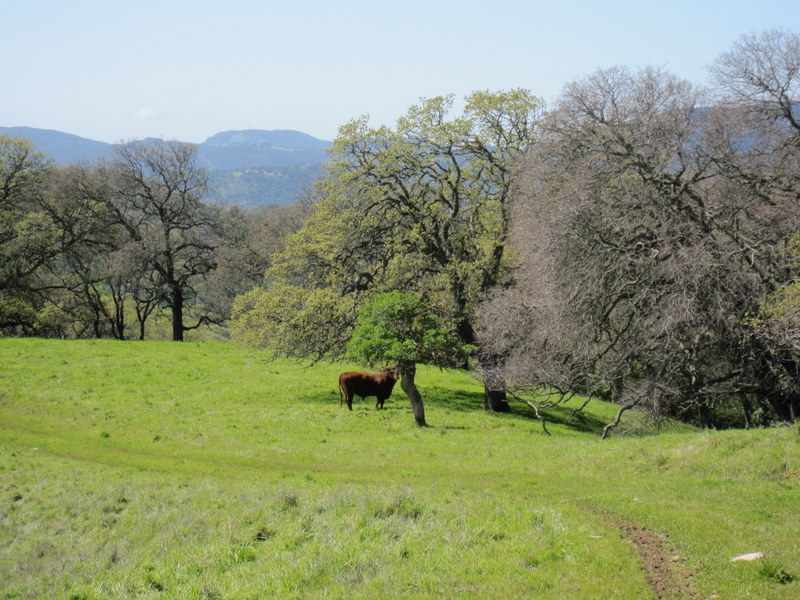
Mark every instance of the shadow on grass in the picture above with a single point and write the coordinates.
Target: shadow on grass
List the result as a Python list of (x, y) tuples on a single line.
[(577, 421), (462, 400), (468, 401), (330, 399)]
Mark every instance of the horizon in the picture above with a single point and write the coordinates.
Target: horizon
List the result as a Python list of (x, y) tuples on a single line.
[(187, 70), (59, 131)]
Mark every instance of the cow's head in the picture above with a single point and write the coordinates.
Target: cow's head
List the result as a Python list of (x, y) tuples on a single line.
[(392, 372)]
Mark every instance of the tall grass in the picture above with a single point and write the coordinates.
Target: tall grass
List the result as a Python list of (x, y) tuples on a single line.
[(207, 470)]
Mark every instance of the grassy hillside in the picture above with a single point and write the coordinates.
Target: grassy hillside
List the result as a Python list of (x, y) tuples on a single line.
[(164, 470)]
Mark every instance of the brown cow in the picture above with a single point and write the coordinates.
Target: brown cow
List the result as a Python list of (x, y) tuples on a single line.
[(378, 384)]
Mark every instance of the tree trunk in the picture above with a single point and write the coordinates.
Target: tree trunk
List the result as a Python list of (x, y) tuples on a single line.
[(706, 416), (177, 315), (410, 388), (494, 386), (118, 319), (143, 310), (785, 408), (495, 400), (747, 407)]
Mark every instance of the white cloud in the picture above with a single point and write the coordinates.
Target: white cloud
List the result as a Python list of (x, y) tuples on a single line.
[(144, 113)]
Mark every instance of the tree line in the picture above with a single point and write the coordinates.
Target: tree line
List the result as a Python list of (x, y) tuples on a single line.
[(95, 250), (637, 241)]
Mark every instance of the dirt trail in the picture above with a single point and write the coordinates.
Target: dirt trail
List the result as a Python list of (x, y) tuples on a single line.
[(664, 568)]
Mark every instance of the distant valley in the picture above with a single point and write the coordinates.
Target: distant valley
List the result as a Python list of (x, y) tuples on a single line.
[(249, 168)]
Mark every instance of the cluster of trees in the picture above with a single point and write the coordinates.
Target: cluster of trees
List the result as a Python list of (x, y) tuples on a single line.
[(636, 242), (656, 225), (423, 209), (639, 241), (94, 250)]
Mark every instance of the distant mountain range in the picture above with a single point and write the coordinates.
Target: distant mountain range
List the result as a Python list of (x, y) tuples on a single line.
[(249, 168), (257, 148), (64, 148)]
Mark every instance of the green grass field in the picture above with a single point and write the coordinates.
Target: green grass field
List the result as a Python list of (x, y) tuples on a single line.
[(207, 470)]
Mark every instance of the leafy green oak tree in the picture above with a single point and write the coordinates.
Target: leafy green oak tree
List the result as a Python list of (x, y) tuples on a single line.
[(28, 238), (400, 328), (421, 207)]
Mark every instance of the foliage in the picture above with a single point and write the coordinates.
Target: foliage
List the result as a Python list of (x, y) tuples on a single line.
[(420, 208), (249, 239), (780, 311), (227, 474), (399, 328), (293, 320), (28, 238), (435, 191), (88, 250)]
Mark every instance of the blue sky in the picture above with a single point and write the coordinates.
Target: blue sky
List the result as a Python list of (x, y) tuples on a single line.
[(186, 69)]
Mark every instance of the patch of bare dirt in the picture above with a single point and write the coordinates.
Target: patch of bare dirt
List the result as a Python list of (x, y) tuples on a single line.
[(665, 571)]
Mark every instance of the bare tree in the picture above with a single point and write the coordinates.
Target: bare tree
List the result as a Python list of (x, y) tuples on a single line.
[(161, 189), (754, 138), (648, 228)]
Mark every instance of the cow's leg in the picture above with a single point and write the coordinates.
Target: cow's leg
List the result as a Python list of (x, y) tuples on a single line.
[(349, 399)]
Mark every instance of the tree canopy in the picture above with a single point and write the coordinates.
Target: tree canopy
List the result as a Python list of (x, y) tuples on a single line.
[(651, 224), (400, 329), (88, 249), (422, 208)]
